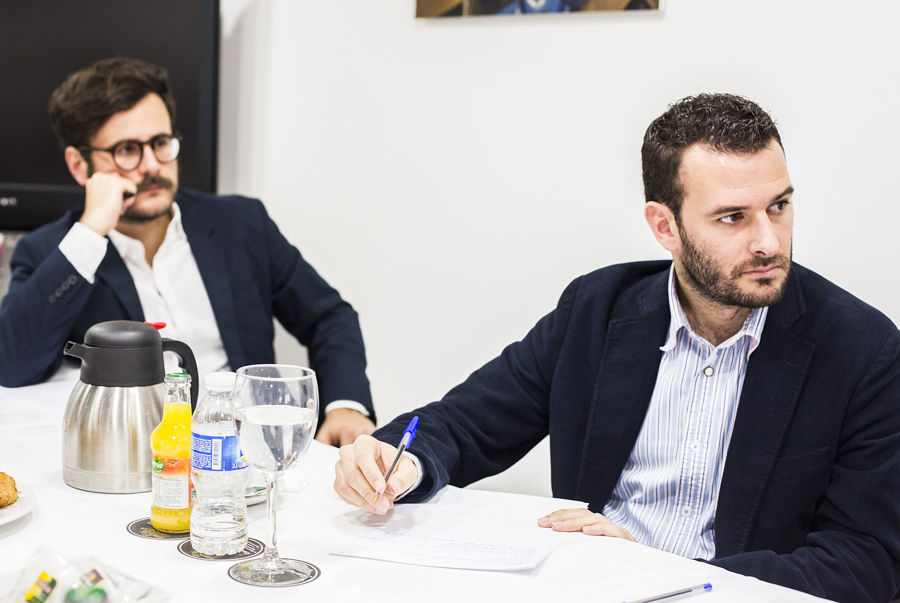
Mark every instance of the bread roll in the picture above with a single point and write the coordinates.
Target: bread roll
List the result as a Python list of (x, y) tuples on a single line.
[(8, 492)]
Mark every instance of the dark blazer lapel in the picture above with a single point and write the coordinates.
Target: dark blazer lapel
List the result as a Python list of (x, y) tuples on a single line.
[(113, 272), (775, 374), (209, 252), (624, 386)]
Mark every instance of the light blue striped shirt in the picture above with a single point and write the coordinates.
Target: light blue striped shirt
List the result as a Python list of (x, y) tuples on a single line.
[(667, 493)]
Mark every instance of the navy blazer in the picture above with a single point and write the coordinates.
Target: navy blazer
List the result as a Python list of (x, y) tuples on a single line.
[(810, 495), (250, 271)]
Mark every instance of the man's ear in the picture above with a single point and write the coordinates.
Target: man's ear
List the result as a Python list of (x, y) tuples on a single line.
[(77, 165), (663, 225)]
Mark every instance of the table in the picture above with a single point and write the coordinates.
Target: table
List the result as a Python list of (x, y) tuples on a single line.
[(75, 524)]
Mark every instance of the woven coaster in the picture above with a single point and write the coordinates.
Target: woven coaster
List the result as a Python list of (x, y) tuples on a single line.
[(254, 547), (314, 573), (143, 529)]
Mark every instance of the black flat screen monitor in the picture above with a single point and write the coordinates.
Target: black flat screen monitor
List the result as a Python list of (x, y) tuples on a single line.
[(45, 40)]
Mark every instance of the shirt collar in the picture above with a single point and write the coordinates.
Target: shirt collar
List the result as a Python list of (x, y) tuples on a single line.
[(752, 327), (133, 250)]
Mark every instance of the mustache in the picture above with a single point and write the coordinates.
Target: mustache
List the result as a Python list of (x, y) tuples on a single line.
[(776, 260), (151, 181)]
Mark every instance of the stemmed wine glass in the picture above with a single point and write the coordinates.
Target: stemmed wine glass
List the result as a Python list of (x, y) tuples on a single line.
[(276, 408)]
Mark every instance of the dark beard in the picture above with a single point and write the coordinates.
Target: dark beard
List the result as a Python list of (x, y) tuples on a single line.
[(711, 282)]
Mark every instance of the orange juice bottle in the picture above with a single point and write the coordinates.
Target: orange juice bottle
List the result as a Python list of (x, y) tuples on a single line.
[(171, 446)]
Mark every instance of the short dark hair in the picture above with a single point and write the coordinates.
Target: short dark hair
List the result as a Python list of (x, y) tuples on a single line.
[(89, 97), (726, 122)]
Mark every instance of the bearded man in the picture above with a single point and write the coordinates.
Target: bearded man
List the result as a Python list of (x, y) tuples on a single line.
[(729, 405), (214, 268)]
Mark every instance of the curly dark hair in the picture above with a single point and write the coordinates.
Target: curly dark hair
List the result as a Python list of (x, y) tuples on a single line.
[(726, 122), (89, 97)]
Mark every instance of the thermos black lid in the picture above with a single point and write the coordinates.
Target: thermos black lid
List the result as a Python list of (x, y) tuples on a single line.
[(127, 353), (123, 334)]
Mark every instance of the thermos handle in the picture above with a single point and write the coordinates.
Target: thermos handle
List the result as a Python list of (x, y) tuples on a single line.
[(76, 350), (186, 360)]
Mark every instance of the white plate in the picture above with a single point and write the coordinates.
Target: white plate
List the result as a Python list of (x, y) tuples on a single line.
[(20, 508), (255, 495)]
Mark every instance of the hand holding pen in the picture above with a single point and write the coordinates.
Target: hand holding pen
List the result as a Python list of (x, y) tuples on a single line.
[(409, 435), (371, 474)]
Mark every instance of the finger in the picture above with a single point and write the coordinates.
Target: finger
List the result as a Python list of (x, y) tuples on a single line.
[(375, 461), (565, 515), (353, 488), (574, 521), (607, 528), (352, 430), (348, 432), (347, 493), (361, 466), (326, 434), (572, 524), (127, 201), (404, 476)]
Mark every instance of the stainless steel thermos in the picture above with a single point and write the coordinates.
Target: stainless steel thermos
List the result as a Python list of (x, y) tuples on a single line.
[(116, 403)]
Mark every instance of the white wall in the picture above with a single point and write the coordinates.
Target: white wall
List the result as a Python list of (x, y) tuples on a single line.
[(450, 177)]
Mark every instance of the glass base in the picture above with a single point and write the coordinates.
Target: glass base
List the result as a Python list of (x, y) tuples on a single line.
[(284, 572)]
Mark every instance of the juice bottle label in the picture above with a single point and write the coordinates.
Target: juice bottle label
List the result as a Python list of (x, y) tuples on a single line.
[(171, 483), (216, 453)]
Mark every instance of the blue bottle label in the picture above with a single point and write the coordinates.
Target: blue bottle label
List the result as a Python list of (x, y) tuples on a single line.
[(216, 453)]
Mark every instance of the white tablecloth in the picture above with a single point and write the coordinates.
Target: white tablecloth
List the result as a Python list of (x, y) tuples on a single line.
[(77, 524)]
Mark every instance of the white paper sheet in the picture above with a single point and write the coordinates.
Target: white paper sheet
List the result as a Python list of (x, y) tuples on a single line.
[(479, 530)]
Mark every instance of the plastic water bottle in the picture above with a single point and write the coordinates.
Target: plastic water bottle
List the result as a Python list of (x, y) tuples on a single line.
[(219, 471)]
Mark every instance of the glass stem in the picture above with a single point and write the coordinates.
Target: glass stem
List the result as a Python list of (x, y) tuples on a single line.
[(271, 552)]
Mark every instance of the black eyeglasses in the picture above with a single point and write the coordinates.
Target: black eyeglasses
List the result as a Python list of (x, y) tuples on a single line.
[(128, 154)]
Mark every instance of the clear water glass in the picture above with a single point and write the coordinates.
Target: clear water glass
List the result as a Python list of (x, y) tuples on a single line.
[(276, 409)]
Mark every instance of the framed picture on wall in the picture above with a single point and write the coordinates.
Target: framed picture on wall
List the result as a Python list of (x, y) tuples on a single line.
[(466, 8)]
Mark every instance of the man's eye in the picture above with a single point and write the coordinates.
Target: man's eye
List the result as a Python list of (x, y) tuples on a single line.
[(160, 143), (730, 218), (128, 149), (779, 206)]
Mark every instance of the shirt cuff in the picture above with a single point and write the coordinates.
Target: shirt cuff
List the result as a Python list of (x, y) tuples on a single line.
[(419, 473), (84, 249), (352, 405)]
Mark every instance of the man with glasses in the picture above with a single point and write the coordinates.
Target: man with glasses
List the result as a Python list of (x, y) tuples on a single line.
[(215, 269)]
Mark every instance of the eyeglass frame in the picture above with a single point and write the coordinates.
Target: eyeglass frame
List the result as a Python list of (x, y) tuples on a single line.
[(141, 145)]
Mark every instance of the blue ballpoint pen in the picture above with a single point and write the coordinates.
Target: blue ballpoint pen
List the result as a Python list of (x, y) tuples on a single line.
[(675, 594), (409, 435)]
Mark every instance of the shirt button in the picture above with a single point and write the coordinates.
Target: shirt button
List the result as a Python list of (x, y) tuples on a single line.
[(708, 371), (686, 511)]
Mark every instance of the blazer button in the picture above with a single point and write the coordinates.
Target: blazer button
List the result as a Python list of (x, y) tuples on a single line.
[(72, 279), (52, 299)]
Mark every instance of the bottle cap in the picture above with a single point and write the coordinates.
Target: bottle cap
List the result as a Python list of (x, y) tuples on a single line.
[(178, 379), (220, 381)]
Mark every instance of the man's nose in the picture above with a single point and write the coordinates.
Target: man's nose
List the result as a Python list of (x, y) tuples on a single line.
[(149, 163), (765, 240)]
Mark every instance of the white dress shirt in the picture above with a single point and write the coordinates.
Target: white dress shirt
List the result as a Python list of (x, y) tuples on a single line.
[(170, 291), (666, 496)]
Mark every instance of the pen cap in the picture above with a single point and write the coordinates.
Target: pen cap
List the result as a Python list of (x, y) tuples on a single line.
[(411, 429)]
